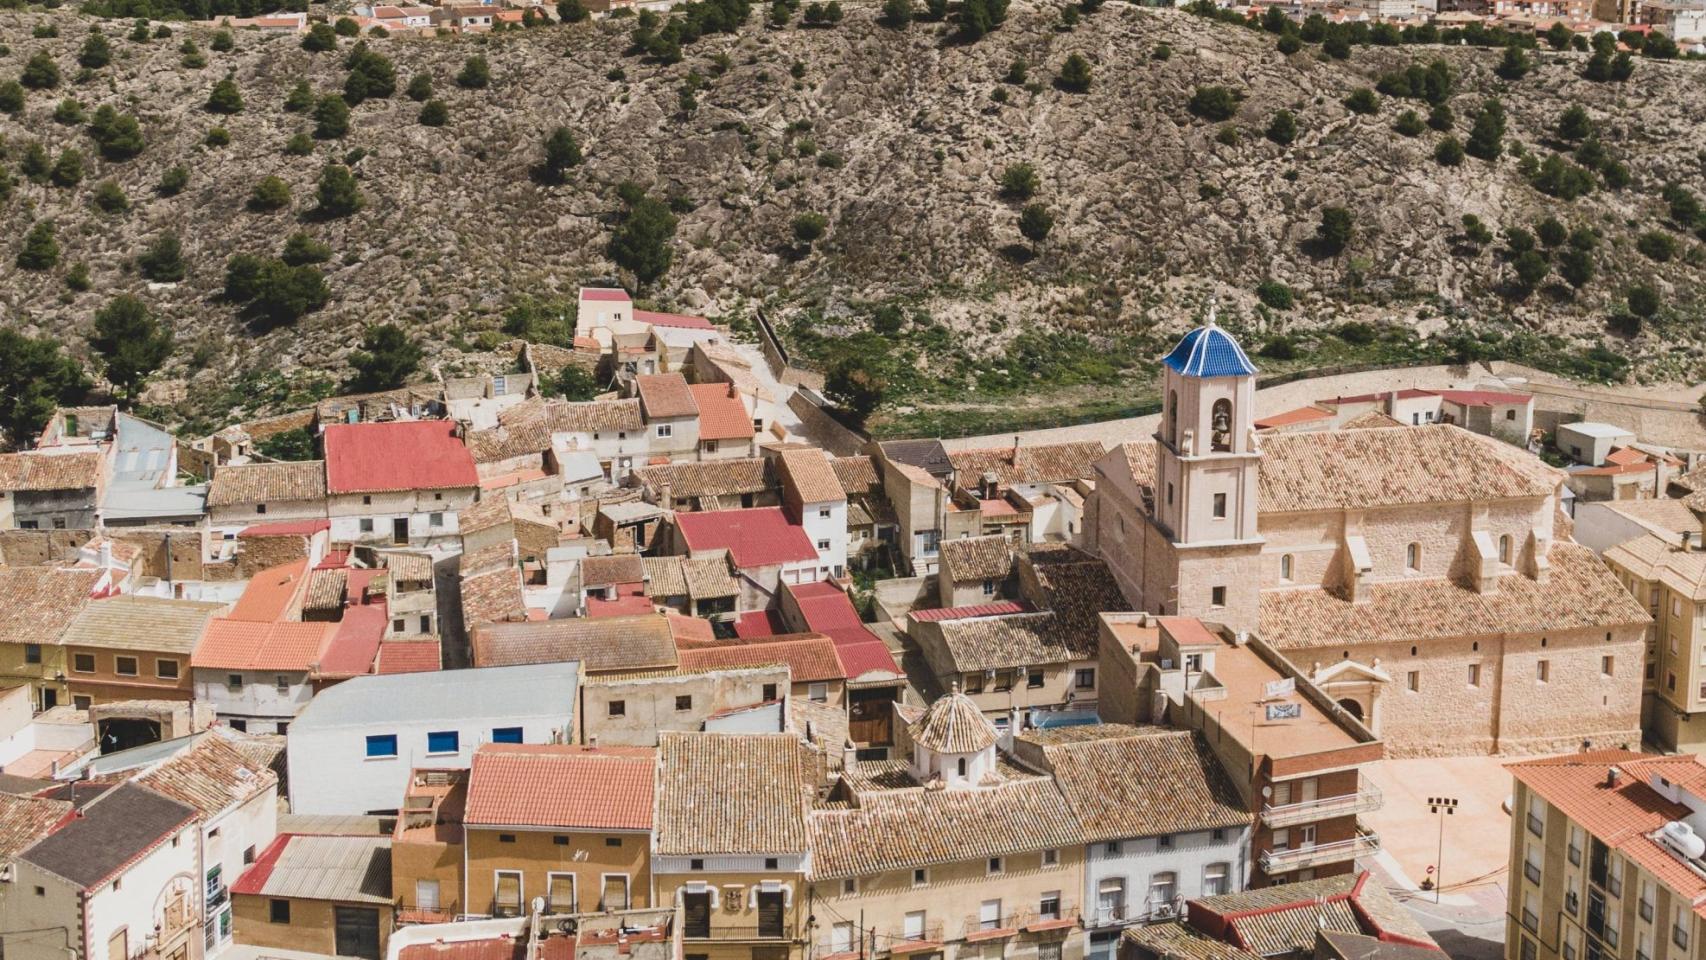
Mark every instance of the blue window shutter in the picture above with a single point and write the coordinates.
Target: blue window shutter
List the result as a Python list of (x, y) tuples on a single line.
[(506, 735), (443, 741), (382, 745)]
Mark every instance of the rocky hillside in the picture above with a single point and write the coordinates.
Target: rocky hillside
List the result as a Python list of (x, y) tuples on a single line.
[(899, 139)]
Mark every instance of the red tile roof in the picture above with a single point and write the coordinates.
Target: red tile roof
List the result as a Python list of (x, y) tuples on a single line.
[(271, 593), (665, 395), (861, 657), (824, 606), (755, 537), (605, 294), (759, 623), (1289, 417), (1622, 815), (680, 320), (809, 659), (686, 630), (286, 528), (999, 608), (409, 656), (356, 643), (722, 414), (1409, 394), (245, 645), (620, 607), (402, 455), (558, 785), (1483, 398)]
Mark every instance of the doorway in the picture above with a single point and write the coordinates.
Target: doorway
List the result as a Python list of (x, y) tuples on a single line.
[(696, 913), (357, 932), (1353, 708), (770, 913), (400, 530)]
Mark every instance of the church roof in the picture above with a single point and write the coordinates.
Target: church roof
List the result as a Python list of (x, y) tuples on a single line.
[(1209, 352), (954, 724)]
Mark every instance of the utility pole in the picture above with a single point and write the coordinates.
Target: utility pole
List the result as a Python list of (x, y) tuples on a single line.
[(1441, 807)]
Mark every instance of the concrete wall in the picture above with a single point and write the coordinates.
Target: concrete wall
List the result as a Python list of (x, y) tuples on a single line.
[(259, 701), (587, 857), (1137, 861), (312, 927), (649, 704), (348, 511)]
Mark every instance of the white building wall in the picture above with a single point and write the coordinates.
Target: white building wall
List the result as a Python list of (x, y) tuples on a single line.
[(330, 772), (261, 703), (1139, 861), (229, 842), (137, 902), (419, 507), (830, 528)]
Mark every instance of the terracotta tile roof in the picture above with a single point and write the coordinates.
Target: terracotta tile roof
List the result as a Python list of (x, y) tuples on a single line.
[(1622, 816), (664, 577), (605, 294), (271, 593), (808, 659), (24, 820), (493, 556), (1284, 919), (953, 724), (614, 643), (41, 472), (998, 608), (1047, 463), (209, 776), (249, 645), (665, 395), (807, 473), (285, 528), (858, 475), (722, 413), (731, 793), (977, 558), (355, 644), (707, 478), (37, 604), (326, 590), (141, 623), (400, 455), (1581, 593), (1483, 398), (1152, 783), (914, 827), (1019, 640), (493, 596), (1370, 420), (689, 630), (407, 567), (611, 570), (522, 430), (411, 655), (824, 606), (1180, 941), (595, 416), (1289, 417), (865, 659), (756, 537), (267, 483), (558, 785)]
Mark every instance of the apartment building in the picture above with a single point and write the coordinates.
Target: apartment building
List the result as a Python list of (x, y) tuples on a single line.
[(1607, 852), (134, 648), (1667, 576), (401, 482)]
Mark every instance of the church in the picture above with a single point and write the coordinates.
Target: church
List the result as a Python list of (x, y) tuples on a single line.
[(1424, 576)]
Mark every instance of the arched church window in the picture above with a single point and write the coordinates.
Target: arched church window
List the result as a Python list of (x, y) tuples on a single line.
[(1220, 423), (1172, 416)]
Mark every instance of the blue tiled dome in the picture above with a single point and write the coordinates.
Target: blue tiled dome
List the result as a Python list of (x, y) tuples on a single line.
[(1209, 352)]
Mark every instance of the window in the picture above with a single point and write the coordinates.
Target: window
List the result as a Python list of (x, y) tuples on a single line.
[(32, 653), (710, 446), (1163, 887), (560, 841), (1217, 597), (506, 893), (1214, 879), (1220, 426), (841, 937), (1169, 493), (1505, 549), (1543, 670), (397, 626), (435, 519), (444, 741), (665, 429), (125, 666), (769, 691), (367, 500), (914, 925), (613, 841), (1051, 857), (506, 838), (166, 669), (684, 702), (260, 508), (1413, 557), (1220, 506), (817, 692), (366, 525), (249, 854), (1474, 674), (1084, 678), (1285, 567), (1110, 899), (1510, 414), (1164, 842), (617, 708), (988, 587), (974, 683), (83, 662), (382, 745), (920, 877), (1048, 905), (989, 915), (1413, 680), (961, 766), (278, 911), (996, 865), (849, 886)]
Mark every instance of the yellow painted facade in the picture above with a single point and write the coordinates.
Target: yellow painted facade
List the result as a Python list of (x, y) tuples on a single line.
[(574, 872)]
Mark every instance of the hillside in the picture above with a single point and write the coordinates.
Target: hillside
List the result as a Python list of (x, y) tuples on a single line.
[(899, 139)]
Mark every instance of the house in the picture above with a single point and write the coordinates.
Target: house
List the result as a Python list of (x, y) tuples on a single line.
[(678, 334), (598, 645), (1351, 541), (569, 824), (37, 605), (52, 490), (697, 588), (944, 850), (1628, 473), (134, 648), (710, 484), (411, 593), (1666, 575), (118, 877), (875, 681), (917, 481), (323, 894), (870, 517), (352, 748), (766, 549), (614, 431), (730, 844), (1328, 919), (473, 19), (1031, 494), (975, 570), (242, 495), (1601, 525), (256, 664), (726, 426), (815, 669), (635, 708), (602, 312), (236, 804), (1284, 736), (401, 482), (1590, 443), (1605, 856), (671, 414), (623, 935), (40, 745), (814, 499), (1162, 822), (142, 482)]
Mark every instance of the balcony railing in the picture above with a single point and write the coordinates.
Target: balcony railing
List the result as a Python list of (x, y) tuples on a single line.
[(1038, 921), (1123, 915), (1366, 798), (901, 941), (978, 928), (727, 931), (414, 913), (1364, 844)]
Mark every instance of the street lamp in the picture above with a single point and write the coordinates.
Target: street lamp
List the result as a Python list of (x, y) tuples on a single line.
[(1442, 807)]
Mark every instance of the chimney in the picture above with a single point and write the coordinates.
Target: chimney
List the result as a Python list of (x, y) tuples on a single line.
[(1612, 776), (1687, 536), (592, 742)]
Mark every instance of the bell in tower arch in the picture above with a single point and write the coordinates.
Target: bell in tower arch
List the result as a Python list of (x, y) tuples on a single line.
[(1220, 422)]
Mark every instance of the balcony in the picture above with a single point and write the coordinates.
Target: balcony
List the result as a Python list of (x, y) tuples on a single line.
[(1366, 798), (902, 942), (1364, 844), (730, 932), (432, 913), (1036, 921), (979, 930)]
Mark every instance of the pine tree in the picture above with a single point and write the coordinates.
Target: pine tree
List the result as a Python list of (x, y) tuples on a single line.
[(41, 249), (130, 342)]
